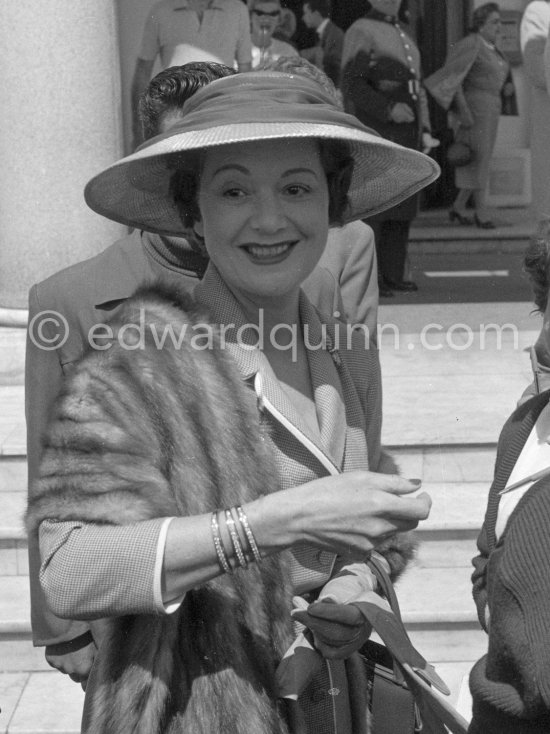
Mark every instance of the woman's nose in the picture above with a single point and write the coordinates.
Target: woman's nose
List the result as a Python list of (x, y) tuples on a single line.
[(268, 215)]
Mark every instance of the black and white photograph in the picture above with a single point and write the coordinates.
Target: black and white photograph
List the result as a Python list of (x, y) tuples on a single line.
[(275, 367)]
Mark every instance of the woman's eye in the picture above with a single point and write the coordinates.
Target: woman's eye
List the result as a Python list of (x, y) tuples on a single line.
[(297, 189), (233, 193)]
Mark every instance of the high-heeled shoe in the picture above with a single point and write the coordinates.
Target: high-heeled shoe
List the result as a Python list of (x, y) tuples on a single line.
[(484, 223), (460, 218)]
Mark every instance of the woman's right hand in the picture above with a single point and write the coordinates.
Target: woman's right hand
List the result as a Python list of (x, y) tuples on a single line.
[(348, 514)]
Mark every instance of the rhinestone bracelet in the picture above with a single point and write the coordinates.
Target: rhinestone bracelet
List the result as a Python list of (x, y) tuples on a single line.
[(230, 523), (220, 552), (249, 535)]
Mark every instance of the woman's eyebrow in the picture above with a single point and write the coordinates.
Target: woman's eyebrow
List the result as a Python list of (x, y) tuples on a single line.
[(231, 167), (242, 169), (295, 171)]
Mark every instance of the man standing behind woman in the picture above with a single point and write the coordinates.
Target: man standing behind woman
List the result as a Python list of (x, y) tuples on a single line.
[(265, 16), (183, 31), (381, 86), (471, 82), (327, 55)]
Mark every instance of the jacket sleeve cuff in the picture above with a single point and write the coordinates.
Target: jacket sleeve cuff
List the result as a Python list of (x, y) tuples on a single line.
[(163, 604)]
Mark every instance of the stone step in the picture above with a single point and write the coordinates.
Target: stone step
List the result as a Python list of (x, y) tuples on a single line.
[(40, 703), (12, 421), (21, 656), (468, 462), (48, 702), (451, 463), (434, 596), (438, 463), (428, 595), (432, 232), (446, 538), (435, 381), (12, 355), (431, 462), (15, 618), (13, 474)]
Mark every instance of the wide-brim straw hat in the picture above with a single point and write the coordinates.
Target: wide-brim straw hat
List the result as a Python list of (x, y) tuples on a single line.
[(250, 107)]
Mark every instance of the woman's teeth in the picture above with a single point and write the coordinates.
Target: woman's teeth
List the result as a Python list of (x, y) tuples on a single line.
[(266, 251)]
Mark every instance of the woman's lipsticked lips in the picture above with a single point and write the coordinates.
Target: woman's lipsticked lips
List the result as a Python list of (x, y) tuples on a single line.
[(269, 254)]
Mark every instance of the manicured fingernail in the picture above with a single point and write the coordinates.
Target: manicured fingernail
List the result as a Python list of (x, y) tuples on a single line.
[(416, 482)]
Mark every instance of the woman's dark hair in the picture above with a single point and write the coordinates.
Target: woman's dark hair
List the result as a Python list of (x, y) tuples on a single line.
[(479, 18), (335, 158), (184, 186), (338, 166), (536, 264)]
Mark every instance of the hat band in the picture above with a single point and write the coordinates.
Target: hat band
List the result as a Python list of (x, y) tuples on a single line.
[(268, 99)]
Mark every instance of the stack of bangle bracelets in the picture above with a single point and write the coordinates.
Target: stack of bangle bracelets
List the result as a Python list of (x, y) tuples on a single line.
[(245, 548)]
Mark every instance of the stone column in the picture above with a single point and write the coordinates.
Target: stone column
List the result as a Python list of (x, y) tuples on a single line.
[(60, 124)]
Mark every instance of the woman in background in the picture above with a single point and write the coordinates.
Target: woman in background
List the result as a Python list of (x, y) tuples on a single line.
[(471, 83)]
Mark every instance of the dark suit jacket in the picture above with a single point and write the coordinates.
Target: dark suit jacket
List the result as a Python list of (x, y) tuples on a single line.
[(510, 684), (332, 43)]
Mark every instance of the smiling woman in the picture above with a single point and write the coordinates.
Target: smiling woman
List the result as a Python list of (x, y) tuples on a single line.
[(264, 204), (210, 486)]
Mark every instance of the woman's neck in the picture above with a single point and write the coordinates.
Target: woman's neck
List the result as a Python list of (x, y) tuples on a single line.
[(278, 311), (488, 41)]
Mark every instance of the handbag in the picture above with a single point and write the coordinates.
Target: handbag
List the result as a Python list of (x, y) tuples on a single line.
[(400, 683), (459, 154)]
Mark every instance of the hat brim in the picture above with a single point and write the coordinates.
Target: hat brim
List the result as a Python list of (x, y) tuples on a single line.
[(135, 190)]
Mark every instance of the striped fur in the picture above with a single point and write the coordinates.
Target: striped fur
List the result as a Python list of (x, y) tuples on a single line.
[(145, 433)]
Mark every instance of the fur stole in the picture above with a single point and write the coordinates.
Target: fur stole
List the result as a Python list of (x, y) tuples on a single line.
[(147, 432)]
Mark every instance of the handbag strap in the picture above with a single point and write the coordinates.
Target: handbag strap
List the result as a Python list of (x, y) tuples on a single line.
[(385, 584), (386, 620)]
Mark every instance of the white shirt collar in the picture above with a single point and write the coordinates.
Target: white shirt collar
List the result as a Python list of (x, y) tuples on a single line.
[(321, 27)]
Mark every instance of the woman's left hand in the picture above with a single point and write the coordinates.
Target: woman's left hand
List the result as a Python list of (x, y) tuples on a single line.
[(338, 629)]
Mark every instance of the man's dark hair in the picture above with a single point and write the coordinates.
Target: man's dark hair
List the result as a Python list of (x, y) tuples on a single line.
[(170, 89), (323, 7)]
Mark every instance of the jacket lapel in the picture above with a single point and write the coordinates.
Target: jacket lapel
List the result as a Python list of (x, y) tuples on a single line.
[(327, 389), (520, 425), (328, 446)]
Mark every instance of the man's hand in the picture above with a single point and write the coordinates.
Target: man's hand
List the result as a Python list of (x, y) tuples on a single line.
[(338, 629), (76, 665), (429, 142), (401, 112)]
